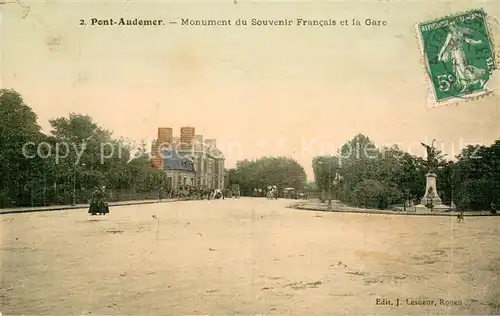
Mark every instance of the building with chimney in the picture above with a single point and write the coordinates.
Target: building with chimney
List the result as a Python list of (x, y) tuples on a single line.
[(165, 135), (179, 170), (187, 136), (188, 160)]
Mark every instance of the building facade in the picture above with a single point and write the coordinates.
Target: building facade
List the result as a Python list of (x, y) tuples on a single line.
[(190, 160), (209, 165), (179, 170)]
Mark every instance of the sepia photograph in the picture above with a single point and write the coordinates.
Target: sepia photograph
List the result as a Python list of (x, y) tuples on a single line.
[(244, 157)]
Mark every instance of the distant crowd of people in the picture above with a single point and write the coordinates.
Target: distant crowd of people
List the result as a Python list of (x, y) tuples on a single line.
[(193, 193)]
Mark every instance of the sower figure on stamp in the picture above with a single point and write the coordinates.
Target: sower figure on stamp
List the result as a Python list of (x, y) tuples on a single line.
[(452, 51)]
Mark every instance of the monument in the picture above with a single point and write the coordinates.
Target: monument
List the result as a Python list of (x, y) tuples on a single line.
[(431, 199)]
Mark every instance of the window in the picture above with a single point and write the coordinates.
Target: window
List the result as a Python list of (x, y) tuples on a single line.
[(210, 168), (192, 181), (185, 181)]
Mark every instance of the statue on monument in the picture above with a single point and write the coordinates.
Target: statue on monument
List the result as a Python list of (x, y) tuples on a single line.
[(431, 198), (431, 157)]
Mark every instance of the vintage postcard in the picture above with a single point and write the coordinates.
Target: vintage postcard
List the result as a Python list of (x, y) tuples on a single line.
[(241, 157)]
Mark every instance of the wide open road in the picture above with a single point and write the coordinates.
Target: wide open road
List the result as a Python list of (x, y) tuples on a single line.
[(246, 257)]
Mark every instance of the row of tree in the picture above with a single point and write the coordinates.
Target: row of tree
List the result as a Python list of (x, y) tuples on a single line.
[(78, 155), (367, 176), (31, 173), (283, 172)]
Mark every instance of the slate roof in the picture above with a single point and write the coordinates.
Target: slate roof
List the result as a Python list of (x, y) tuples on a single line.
[(172, 160), (214, 152)]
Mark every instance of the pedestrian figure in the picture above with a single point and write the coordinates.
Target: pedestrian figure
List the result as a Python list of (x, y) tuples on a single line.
[(98, 204), (160, 194)]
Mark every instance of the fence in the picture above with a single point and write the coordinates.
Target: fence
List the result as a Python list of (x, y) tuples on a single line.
[(44, 195)]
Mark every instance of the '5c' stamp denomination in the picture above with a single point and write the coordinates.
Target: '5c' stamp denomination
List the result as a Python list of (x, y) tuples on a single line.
[(458, 55)]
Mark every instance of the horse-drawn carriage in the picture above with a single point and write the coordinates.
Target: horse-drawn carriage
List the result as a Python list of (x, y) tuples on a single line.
[(184, 192), (289, 193)]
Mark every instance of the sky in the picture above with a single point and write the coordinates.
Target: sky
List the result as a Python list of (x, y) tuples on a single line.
[(297, 91)]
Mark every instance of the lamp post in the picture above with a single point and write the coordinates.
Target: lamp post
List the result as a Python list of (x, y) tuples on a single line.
[(330, 187), (336, 182), (452, 202), (74, 185), (406, 200), (74, 188), (452, 187), (45, 188)]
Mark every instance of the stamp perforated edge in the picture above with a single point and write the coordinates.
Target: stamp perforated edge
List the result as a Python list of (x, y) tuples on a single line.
[(431, 100)]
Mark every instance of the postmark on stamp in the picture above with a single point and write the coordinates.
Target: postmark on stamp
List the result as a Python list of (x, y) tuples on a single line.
[(458, 55)]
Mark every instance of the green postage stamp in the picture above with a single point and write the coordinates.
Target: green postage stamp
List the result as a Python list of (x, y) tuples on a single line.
[(458, 55)]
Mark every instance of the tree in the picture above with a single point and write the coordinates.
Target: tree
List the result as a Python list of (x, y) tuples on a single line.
[(18, 172), (408, 174), (281, 171), (325, 169), (372, 193), (476, 177), (374, 177), (311, 188), (378, 177), (361, 160)]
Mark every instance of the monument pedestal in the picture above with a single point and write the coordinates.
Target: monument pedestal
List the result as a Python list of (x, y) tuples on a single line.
[(431, 191), (421, 209), (431, 196)]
